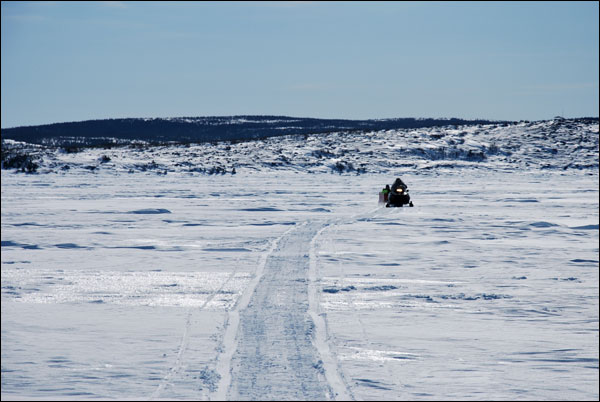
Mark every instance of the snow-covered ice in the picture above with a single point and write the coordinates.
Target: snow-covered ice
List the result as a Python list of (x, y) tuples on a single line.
[(281, 284)]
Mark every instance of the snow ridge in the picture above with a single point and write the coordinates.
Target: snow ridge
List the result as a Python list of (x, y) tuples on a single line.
[(331, 369)]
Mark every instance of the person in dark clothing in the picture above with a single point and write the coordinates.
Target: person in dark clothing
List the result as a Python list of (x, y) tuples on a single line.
[(399, 194), (386, 192), (398, 183)]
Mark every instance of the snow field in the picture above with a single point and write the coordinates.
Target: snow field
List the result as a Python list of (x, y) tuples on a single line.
[(136, 286), (490, 292)]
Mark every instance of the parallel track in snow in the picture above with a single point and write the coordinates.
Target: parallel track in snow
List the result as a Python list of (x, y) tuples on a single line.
[(177, 366)]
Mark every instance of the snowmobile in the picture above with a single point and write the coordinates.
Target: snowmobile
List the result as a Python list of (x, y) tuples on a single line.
[(398, 195)]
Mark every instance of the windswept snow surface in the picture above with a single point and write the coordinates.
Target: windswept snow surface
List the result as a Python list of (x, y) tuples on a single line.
[(280, 284)]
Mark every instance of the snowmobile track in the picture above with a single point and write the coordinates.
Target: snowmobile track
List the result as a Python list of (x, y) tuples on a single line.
[(275, 356)]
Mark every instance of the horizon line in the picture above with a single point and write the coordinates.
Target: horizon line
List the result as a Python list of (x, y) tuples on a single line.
[(299, 117)]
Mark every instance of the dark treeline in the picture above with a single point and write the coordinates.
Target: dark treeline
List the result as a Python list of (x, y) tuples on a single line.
[(205, 129)]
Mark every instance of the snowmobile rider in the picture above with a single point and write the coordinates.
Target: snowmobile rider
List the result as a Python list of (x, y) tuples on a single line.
[(386, 192), (398, 183), (399, 195)]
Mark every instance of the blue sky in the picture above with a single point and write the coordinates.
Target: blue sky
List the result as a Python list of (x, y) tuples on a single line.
[(73, 61)]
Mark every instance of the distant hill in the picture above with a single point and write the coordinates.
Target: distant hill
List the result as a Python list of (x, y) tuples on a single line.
[(206, 129), (558, 144)]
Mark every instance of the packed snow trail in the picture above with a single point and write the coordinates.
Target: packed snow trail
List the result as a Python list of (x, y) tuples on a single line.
[(275, 357)]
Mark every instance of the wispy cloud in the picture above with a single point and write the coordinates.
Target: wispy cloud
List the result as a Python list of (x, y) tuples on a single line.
[(561, 86), (114, 4), (308, 87), (281, 4), (25, 17)]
